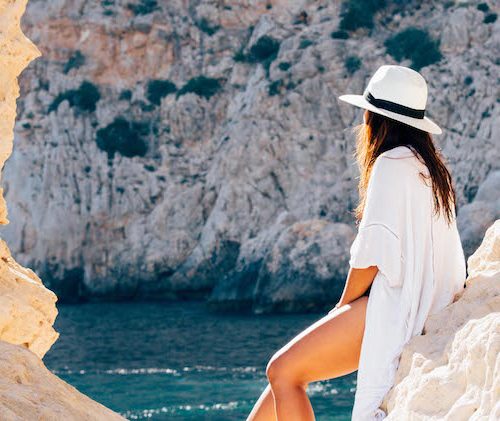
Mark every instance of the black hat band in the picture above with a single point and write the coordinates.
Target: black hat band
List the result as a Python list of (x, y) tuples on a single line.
[(394, 107)]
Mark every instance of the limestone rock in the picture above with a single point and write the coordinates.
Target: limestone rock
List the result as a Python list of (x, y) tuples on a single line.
[(451, 372), (28, 391), (474, 218), (306, 268), (224, 159), (302, 267), (27, 308)]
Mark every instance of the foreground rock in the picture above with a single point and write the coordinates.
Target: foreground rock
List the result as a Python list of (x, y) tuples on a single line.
[(27, 308), (28, 391), (96, 217), (452, 371)]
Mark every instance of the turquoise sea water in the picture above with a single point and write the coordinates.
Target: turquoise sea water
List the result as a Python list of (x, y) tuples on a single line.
[(178, 361)]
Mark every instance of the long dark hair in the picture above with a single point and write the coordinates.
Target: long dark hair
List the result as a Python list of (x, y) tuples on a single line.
[(380, 134)]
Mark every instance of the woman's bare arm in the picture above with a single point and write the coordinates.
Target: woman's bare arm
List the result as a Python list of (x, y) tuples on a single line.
[(358, 281)]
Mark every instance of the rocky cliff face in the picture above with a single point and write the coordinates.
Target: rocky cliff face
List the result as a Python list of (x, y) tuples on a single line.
[(451, 372), (187, 149), (28, 391)]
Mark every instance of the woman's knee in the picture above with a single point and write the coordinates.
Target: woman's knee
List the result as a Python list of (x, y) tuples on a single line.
[(280, 370)]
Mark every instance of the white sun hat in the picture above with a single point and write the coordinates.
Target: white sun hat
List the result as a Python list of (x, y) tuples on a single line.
[(399, 93)]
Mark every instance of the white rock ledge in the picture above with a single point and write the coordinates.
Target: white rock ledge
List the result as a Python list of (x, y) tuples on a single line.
[(452, 371)]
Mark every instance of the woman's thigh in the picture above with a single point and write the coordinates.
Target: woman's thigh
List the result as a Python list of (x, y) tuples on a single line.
[(328, 348)]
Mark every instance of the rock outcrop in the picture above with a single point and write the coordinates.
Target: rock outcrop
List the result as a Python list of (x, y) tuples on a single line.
[(28, 391), (304, 269), (156, 139), (27, 308), (476, 216), (451, 372)]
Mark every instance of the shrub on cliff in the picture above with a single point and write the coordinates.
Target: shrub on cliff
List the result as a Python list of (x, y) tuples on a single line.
[(205, 26), (275, 87), (76, 60), (304, 43), (123, 136), (201, 86), (414, 44), (159, 88), (339, 35), (359, 13), (84, 98), (143, 7), (264, 51), (240, 56), (483, 7), (125, 95), (352, 64), (490, 18)]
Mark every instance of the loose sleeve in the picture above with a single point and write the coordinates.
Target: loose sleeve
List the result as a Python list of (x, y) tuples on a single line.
[(378, 241), (376, 245)]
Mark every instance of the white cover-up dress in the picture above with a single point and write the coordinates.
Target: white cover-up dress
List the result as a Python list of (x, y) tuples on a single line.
[(421, 266)]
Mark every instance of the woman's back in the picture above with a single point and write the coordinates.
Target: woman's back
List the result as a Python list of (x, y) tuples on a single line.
[(421, 266), (448, 260)]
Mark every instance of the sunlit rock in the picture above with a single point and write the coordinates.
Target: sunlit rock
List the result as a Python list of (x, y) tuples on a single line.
[(452, 371)]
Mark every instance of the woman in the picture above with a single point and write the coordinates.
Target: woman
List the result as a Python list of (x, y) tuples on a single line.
[(406, 261)]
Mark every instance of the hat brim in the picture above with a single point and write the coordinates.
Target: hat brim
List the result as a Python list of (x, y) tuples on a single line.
[(425, 124)]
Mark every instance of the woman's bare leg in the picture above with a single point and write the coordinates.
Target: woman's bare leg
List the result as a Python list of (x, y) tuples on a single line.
[(328, 348), (263, 409)]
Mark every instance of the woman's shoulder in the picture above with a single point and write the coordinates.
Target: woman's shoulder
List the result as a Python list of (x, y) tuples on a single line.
[(398, 161), (393, 162), (397, 169)]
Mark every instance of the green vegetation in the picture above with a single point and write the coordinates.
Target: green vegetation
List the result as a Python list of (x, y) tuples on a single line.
[(284, 65), (240, 56), (352, 64), (125, 95), (204, 25), (275, 87), (483, 7), (304, 43), (339, 35), (201, 86), (76, 60), (359, 13), (84, 98), (143, 7), (414, 44), (490, 18), (124, 137), (264, 50), (468, 80), (302, 18), (159, 88)]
